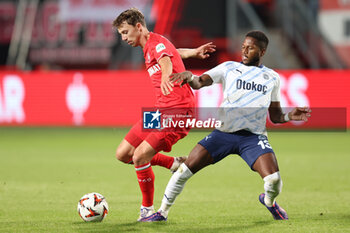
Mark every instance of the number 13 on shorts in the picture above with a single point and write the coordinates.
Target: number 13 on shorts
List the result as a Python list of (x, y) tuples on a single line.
[(264, 144)]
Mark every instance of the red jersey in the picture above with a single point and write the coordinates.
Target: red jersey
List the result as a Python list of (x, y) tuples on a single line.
[(157, 47)]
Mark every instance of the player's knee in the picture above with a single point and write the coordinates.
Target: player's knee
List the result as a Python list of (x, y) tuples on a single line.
[(139, 157), (123, 156)]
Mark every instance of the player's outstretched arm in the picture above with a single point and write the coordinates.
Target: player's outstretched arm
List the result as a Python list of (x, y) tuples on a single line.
[(166, 66), (297, 114), (196, 82), (201, 52)]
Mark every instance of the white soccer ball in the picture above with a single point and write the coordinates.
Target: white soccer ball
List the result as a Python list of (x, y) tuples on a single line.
[(93, 207)]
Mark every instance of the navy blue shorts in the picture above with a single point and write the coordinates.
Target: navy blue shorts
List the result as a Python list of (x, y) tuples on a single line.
[(244, 143)]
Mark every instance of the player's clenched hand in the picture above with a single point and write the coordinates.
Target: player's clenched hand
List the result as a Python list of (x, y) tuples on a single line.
[(202, 51), (166, 87), (300, 114), (181, 78)]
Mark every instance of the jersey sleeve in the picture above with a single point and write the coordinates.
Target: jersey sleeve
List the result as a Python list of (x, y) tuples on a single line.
[(160, 49), (217, 74), (275, 94)]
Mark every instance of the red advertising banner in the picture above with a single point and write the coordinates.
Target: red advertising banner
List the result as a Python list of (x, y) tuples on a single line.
[(116, 98), (334, 4), (74, 98)]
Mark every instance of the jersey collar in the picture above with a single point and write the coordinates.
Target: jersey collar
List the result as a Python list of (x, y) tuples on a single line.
[(261, 66)]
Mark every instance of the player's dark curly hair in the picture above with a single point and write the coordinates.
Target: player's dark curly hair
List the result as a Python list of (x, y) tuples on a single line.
[(132, 16), (262, 39)]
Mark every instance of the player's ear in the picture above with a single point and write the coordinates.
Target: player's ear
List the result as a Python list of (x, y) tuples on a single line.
[(139, 26), (262, 52)]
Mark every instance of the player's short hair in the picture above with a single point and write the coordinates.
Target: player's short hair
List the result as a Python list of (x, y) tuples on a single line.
[(262, 39), (132, 16)]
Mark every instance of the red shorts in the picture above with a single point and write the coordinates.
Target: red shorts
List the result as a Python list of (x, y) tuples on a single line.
[(163, 139), (159, 140)]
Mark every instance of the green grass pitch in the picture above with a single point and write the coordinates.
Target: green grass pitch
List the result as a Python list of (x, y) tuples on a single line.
[(45, 171)]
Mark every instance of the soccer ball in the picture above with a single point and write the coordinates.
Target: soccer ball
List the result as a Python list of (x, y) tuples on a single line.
[(93, 207)]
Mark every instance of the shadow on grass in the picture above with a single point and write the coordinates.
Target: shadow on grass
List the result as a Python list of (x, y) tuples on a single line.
[(166, 227)]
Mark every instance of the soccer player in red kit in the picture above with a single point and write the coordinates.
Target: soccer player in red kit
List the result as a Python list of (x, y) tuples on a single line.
[(142, 147)]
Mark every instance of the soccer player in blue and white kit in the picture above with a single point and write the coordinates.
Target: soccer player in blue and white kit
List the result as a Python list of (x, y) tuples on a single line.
[(251, 90)]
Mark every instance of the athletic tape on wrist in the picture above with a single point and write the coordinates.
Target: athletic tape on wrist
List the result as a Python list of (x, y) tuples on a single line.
[(286, 117), (192, 77)]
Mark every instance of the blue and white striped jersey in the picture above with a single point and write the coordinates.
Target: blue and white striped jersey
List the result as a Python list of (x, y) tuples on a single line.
[(248, 92)]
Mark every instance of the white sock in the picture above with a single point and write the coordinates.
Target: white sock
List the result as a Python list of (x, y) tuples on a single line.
[(146, 211), (147, 207), (273, 186), (174, 188)]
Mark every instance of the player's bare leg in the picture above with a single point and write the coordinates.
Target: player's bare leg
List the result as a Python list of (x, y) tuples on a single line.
[(125, 152), (198, 159), (266, 165), (143, 155)]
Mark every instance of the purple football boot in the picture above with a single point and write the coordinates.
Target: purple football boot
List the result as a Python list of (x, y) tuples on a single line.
[(156, 217), (277, 212)]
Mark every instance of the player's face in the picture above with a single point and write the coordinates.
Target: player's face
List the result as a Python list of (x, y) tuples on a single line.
[(130, 34), (251, 52)]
